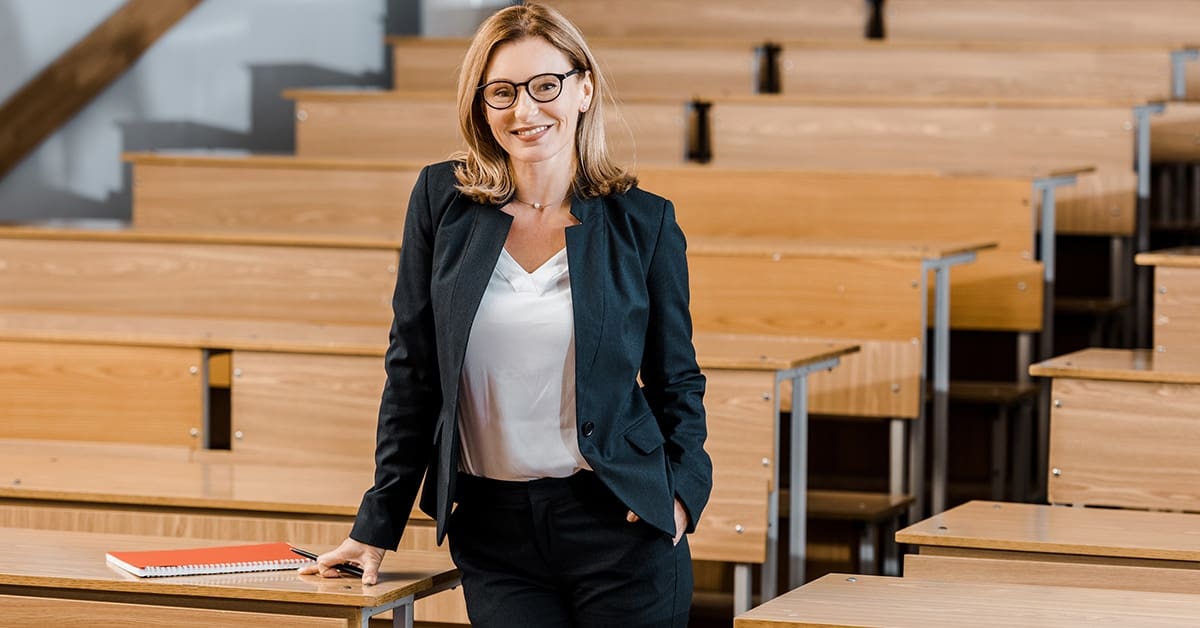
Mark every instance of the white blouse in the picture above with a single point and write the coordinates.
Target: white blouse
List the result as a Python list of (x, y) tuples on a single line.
[(517, 396)]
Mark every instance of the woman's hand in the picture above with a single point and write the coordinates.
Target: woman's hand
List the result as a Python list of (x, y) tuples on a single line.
[(681, 520), (368, 557)]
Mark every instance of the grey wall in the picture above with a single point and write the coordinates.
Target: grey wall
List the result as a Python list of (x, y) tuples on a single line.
[(212, 82)]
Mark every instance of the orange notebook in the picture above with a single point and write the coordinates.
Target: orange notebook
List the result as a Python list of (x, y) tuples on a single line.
[(208, 560)]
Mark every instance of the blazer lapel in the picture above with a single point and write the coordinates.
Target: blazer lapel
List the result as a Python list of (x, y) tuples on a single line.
[(586, 256), (488, 230)]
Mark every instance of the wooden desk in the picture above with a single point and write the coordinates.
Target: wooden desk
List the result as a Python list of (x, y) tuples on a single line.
[(1124, 429), (984, 541), (783, 360), (838, 600), (1176, 299), (56, 576)]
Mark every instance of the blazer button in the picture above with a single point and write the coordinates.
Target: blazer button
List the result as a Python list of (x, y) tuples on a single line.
[(588, 428)]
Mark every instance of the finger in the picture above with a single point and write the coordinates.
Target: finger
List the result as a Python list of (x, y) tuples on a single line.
[(308, 570), (370, 574), (678, 535), (631, 517)]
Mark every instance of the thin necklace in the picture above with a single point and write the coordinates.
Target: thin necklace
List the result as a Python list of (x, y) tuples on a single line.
[(538, 206)]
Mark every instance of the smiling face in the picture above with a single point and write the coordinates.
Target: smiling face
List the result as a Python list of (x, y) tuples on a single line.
[(529, 131)]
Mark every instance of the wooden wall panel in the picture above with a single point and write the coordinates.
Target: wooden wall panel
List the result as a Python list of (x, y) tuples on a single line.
[(101, 393)]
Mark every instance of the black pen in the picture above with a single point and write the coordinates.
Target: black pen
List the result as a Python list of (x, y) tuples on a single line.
[(345, 568)]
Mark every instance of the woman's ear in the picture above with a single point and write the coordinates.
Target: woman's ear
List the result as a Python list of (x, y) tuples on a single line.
[(588, 90)]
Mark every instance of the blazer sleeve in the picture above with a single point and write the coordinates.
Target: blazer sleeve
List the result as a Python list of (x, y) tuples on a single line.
[(671, 378), (412, 395)]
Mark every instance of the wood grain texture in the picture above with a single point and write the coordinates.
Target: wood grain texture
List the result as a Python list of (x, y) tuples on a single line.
[(875, 304), (1012, 73), (740, 407), (806, 296), (1051, 573), (754, 19), (1175, 134), (425, 128), (1181, 257), (632, 67), (1129, 365), (1005, 141), (838, 600), (990, 528), (27, 611), (1125, 444), (1001, 290), (734, 525), (1177, 310), (68, 84), (321, 409), (88, 392), (915, 70), (192, 332), (763, 353), (368, 202), (41, 558), (147, 278), (1161, 22)]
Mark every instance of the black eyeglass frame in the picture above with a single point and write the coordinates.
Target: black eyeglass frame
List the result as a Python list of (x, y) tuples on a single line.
[(516, 88)]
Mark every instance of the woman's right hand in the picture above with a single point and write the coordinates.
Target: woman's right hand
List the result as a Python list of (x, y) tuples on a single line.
[(367, 557)]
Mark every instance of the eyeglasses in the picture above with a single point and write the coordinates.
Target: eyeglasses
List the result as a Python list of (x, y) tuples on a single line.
[(542, 88)]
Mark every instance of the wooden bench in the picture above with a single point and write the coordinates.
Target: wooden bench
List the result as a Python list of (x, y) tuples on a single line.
[(1105, 548), (271, 194), (935, 72), (313, 278), (424, 126), (713, 19), (1061, 21), (57, 577), (871, 293), (842, 600)]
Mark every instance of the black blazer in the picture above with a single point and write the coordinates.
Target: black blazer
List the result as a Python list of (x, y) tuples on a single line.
[(629, 287)]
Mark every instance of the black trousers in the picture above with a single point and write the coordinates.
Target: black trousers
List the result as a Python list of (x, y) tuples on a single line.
[(559, 552)]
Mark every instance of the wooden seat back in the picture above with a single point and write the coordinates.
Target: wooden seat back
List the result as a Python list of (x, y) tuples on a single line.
[(1163, 22), (989, 140), (276, 194), (714, 19), (424, 127), (876, 303), (1001, 290), (119, 273), (919, 72)]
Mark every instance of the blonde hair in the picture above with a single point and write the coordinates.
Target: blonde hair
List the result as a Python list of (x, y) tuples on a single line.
[(485, 175)]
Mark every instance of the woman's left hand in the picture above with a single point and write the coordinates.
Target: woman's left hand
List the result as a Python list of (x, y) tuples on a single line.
[(681, 520)]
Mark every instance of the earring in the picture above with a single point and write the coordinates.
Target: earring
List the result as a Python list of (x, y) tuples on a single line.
[(583, 107)]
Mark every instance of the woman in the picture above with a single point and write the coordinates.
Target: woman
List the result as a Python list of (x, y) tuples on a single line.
[(536, 285)]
